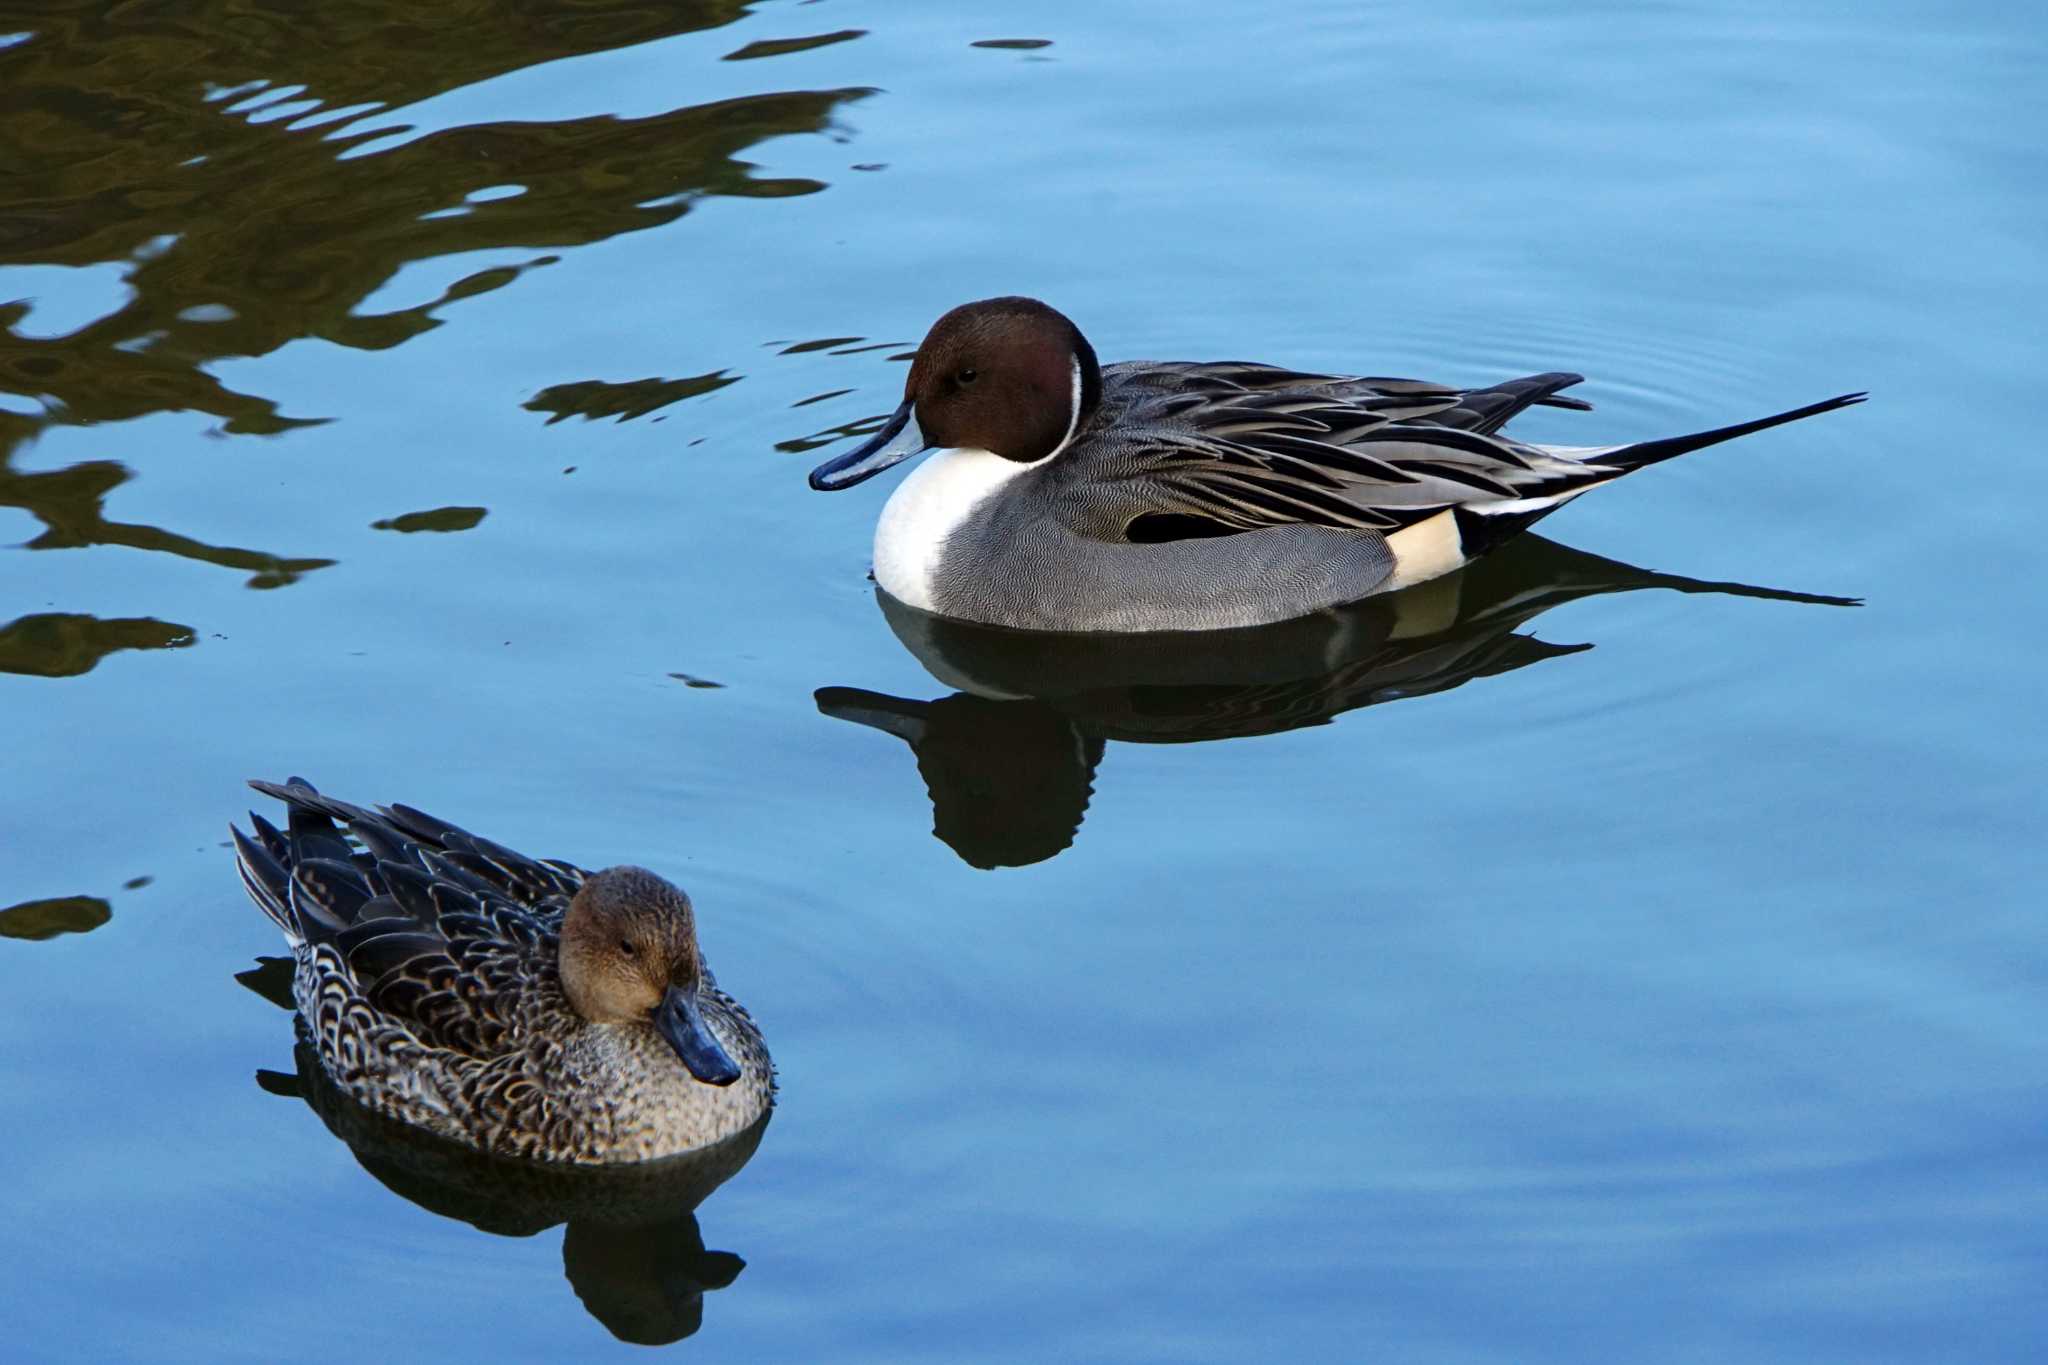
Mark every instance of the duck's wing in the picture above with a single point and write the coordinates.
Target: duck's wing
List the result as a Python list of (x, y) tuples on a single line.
[(1482, 410), (404, 834), (1487, 410), (1214, 453), (436, 930)]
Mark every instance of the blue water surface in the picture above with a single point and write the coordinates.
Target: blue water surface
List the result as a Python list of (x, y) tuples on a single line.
[(419, 400)]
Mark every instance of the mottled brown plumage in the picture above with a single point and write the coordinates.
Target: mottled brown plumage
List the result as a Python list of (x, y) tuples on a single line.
[(522, 1007)]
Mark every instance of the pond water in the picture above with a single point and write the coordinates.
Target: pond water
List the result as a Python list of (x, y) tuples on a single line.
[(1568, 969)]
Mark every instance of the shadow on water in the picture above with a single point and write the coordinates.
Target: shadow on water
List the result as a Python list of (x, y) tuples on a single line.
[(1009, 758), (219, 158), (631, 1247)]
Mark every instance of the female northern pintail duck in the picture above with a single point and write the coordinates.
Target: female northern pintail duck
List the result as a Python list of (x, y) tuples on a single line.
[(523, 1008), (1071, 496)]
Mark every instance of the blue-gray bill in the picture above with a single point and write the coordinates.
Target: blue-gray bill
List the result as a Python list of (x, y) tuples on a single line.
[(897, 441), (679, 1021)]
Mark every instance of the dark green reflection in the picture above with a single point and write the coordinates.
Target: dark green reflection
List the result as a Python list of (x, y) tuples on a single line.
[(69, 503), (594, 398), (1009, 759), (439, 519), (863, 426), (777, 47), (47, 919), (631, 1247), (200, 148), (66, 644)]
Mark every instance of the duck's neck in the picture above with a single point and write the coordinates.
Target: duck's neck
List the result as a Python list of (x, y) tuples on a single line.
[(947, 491)]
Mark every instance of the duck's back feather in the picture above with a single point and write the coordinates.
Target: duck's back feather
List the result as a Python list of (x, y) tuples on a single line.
[(444, 935), (1228, 448)]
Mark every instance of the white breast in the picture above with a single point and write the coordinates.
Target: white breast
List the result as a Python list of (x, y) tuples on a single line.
[(939, 495)]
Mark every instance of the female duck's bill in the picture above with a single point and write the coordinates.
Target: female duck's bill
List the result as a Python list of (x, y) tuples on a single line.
[(898, 440), (679, 1020)]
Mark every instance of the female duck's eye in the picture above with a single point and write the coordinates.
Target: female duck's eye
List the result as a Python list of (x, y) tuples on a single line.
[(969, 376), (626, 946)]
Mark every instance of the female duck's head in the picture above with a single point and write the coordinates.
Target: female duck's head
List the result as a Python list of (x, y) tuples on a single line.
[(629, 956), (1010, 376)]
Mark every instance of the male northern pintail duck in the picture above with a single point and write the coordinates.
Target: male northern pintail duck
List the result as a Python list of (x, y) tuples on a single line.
[(520, 1007), (1070, 496)]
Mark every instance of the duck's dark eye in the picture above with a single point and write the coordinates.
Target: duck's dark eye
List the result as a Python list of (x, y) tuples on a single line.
[(968, 376), (626, 946)]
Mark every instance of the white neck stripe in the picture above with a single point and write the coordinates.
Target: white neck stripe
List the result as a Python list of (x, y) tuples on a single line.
[(1074, 414)]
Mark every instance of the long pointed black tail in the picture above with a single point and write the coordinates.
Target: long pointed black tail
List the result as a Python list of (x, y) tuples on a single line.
[(1651, 452)]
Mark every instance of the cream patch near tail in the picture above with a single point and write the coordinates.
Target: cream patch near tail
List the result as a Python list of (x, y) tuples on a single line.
[(1429, 549)]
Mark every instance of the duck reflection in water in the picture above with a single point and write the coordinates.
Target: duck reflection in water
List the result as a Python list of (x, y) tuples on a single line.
[(631, 1248), (1010, 758)]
